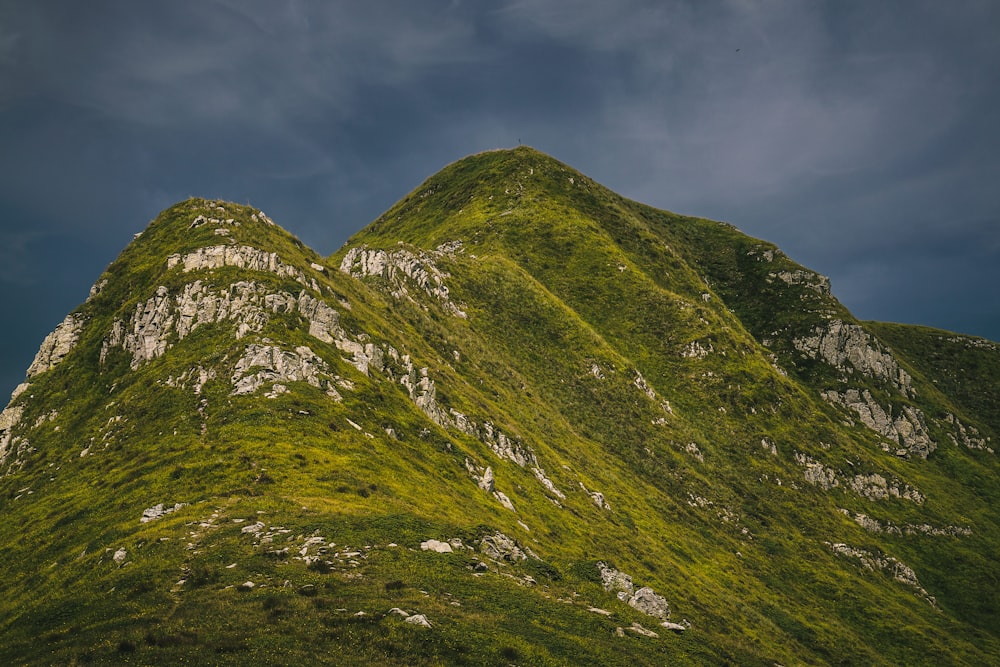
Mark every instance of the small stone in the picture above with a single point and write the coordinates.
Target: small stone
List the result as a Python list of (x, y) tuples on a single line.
[(120, 556), (676, 627), (245, 586), (639, 630)]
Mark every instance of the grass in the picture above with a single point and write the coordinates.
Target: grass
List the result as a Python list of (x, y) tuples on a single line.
[(558, 277)]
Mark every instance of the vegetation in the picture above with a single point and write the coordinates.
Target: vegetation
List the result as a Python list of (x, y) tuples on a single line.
[(633, 353)]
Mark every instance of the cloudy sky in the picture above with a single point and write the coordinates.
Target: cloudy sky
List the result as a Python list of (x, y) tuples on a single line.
[(861, 137)]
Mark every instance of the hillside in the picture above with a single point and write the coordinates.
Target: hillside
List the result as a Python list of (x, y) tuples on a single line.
[(518, 419)]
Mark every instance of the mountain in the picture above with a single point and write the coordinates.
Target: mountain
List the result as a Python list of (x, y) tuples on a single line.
[(519, 419)]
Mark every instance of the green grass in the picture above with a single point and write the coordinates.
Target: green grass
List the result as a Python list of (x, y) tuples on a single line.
[(558, 276)]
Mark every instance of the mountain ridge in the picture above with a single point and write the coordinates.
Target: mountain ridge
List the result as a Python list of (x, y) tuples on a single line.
[(520, 368)]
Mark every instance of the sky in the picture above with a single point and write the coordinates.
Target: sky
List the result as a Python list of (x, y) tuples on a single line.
[(863, 138)]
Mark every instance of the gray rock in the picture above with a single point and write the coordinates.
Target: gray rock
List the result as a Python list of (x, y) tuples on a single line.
[(814, 281), (848, 347), (418, 619), (395, 266), (649, 603), (644, 599), (436, 546), (641, 631), (244, 257), (158, 511), (261, 364), (499, 547), (908, 428), (56, 345), (486, 483), (614, 580), (120, 556)]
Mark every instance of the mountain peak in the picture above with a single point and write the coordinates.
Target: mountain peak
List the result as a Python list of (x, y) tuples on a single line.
[(516, 400)]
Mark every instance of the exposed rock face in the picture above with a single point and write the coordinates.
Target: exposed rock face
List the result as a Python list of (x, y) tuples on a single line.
[(848, 347), (816, 473), (499, 547), (9, 418), (889, 528), (164, 317), (263, 364), (56, 345), (324, 321), (424, 394), (891, 566), (394, 265), (967, 435), (649, 603), (877, 487), (814, 281), (243, 257), (907, 429)]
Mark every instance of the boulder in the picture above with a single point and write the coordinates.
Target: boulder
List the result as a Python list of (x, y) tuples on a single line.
[(649, 603), (418, 619), (437, 546)]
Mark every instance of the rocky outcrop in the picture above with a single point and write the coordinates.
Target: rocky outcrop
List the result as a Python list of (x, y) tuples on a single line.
[(165, 318), (816, 473), (422, 391), (814, 281), (871, 486), (966, 435), (875, 526), (56, 345), (849, 348), (644, 599), (324, 321), (9, 418), (882, 563), (158, 511), (243, 257), (268, 364), (596, 497), (876, 487), (396, 265), (907, 428), (499, 547)]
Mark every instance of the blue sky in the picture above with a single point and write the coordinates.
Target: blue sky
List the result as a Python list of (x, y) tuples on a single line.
[(861, 137)]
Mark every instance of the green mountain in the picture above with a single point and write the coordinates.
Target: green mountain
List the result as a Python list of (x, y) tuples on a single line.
[(519, 419)]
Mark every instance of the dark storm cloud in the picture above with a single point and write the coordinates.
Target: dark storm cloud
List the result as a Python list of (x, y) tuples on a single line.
[(861, 137)]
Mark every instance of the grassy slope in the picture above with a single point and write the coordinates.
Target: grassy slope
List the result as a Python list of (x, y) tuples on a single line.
[(556, 276)]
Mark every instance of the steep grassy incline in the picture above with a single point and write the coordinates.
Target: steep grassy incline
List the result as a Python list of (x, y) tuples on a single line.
[(557, 426), (649, 285)]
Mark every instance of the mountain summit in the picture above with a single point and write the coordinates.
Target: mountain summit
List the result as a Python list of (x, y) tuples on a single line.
[(519, 419)]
